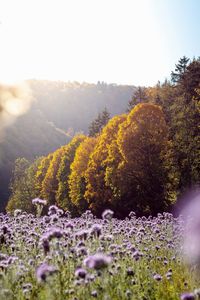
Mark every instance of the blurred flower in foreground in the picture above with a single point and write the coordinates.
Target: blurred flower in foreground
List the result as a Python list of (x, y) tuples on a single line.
[(191, 214)]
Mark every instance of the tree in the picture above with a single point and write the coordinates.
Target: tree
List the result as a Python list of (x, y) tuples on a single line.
[(142, 177), (185, 115), (41, 173), (186, 140), (50, 182), (23, 185), (77, 181), (97, 193), (139, 96), (97, 125), (180, 69), (63, 173)]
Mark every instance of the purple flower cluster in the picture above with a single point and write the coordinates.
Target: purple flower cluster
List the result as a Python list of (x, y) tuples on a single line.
[(92, 255)]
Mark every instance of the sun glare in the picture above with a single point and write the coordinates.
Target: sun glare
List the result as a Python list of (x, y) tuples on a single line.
[(79, 40), (14, 107)]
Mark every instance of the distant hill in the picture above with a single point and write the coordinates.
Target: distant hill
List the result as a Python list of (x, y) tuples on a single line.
[(58, 109), (74, 105)]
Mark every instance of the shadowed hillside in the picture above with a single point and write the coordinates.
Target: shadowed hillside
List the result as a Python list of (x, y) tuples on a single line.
[(58, 111)]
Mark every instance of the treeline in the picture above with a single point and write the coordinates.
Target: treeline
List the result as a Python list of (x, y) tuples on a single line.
[(31, 135), (141, 160), (57, 108)]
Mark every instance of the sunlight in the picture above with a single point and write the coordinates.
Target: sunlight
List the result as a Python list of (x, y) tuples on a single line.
[(80, 40), (14, 107)]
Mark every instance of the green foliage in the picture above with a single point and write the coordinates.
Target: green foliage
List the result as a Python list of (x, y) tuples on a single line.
[(139, 96), (56, 109), (180, 69), (140, 161), (97, 125), (30, 136), (23, 185)]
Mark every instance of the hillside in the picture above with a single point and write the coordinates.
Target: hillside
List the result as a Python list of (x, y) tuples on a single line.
[(75, 105), (58, 109)]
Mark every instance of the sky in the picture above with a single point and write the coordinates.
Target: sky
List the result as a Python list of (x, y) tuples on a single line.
[(136, 42)]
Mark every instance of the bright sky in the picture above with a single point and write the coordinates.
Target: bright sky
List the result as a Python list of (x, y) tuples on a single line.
[(117, 41)]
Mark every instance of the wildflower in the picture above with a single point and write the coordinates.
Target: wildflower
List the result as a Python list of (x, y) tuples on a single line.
[(107, 214), (128, 294), (130, 272), (53, 210), (168, 275), (81, 251), (197, 292), (82, 234), (5, 229), (43, 271), (38, 201), (187, 296), (97, 261), (157, 277), (132, 214), (80, 272), (96, 230), (53, 233), (94, 294), (136, 255), (17, 212), (69, 225), (54, 218), (46, 246)]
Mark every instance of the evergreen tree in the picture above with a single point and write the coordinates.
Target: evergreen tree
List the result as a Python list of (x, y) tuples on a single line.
[(180, 69), (97, 125), (139, 96)]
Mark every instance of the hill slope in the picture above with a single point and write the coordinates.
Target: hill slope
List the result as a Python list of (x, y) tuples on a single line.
[(58, 108)]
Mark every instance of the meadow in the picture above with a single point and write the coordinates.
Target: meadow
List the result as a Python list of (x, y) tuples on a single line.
[(58, 257)]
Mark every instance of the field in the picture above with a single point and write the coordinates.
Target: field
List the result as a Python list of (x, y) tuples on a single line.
[(56, 257)]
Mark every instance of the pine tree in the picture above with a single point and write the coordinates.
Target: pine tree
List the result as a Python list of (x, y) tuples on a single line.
[(180, 69), (97, 125)]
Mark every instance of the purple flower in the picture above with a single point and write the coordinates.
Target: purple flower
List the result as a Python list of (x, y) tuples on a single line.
[(107, 214), (97, 261), (43, 271), (96, 230), (53, 209), (187, 296), (80, 272), (94, 294), (38, 201), (17, 212), (45, 245), (157, 277)]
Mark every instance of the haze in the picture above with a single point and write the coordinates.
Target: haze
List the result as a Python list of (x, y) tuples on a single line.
[(116, 41)]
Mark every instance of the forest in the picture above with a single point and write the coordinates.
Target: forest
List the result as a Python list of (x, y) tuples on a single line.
[(141, 157), (58, 111)]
